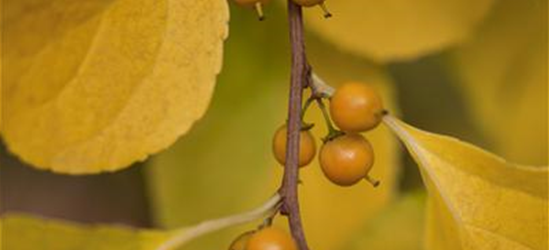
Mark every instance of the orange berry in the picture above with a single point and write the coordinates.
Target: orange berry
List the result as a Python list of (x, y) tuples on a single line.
[(346, 159), (271, 239), (307, 146), (356, 107)]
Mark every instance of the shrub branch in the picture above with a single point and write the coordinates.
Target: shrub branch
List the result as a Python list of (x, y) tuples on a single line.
[(300, 77)]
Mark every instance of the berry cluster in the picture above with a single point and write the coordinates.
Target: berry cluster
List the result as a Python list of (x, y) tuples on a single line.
[(257, 4), (346, 157)]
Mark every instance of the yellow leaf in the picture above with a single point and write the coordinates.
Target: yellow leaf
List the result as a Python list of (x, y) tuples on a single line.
[(398, 30), (477, 200), (26, 232), (399, 227), (503, 75), (22, 232), (1, 232), (93, 86)]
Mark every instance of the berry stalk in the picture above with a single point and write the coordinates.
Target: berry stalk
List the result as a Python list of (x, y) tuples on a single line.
[(299, 78)]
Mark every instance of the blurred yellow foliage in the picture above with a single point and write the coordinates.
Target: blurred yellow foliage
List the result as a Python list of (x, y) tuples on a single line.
[(399, 227), (477, 200), (23, 232), (396, 30), (91, 86), (503, 73), (94, 86)]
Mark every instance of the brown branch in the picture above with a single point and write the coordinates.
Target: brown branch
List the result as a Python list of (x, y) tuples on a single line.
[(300, 77)]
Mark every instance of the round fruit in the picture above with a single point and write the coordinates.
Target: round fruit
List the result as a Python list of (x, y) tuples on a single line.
[(271, 239), (356, 107), (307, 146), (346, 159), (250, 3), (308, 3)]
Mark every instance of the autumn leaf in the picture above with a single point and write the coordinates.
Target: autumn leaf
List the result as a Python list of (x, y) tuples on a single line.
[(396, 30), (23, 232), (477, 200), (502, 72), (93, 86), (402, 222)]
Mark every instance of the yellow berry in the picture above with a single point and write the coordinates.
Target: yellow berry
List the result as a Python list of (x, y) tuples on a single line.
[(356, 107), (307, 146), (346, 159), (271, 239)]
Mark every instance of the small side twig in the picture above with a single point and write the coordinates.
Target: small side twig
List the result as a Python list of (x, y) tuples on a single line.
[(186, 234), (320, 88)]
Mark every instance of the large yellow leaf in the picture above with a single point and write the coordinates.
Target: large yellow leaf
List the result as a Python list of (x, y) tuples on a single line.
[(477, 200), (394, 30), (225, 163), (93, 86), (503, 74), (399, 227), (22, 232)]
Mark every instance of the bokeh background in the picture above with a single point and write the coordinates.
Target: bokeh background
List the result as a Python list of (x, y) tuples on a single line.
[(490, 90)]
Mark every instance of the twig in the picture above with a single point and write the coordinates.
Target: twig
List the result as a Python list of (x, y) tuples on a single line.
[(320, 88), (300, 77), (186, 234)]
